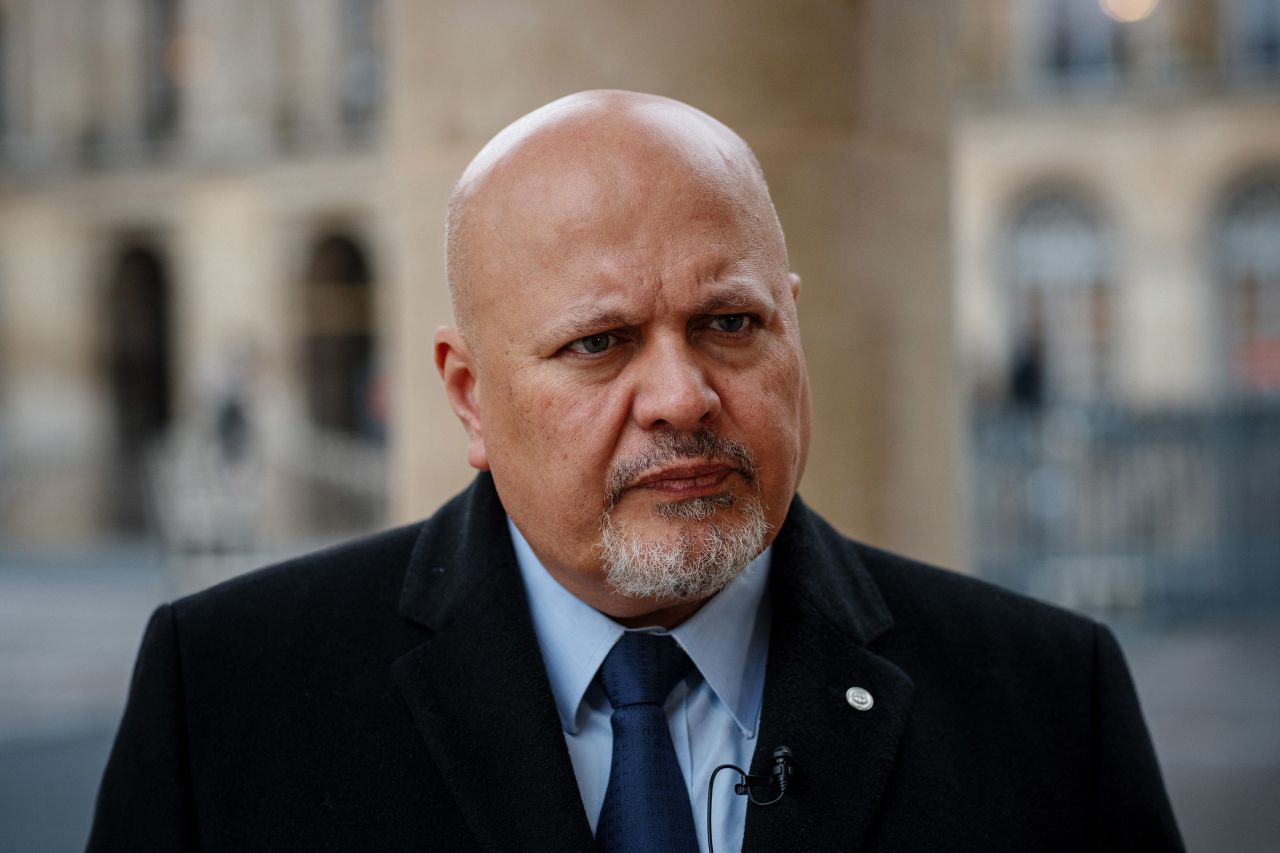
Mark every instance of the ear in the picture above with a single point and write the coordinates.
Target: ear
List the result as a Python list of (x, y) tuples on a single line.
[(457, 369), (794, 281)]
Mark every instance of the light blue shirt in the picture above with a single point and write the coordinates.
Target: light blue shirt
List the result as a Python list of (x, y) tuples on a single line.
[(714, 714)]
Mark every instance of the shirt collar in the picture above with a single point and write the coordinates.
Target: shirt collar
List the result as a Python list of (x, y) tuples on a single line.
[(727, 639)]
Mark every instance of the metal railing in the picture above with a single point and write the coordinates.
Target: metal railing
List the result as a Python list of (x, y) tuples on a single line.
[(1100, 507), (201, 498)]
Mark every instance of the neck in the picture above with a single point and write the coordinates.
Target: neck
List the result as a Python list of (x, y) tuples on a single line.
[(628, 611), (664, 617)]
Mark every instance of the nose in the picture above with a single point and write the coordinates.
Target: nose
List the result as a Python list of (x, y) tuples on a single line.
[(672, 389)]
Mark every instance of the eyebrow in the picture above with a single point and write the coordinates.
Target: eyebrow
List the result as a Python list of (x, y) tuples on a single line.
[(732, 297), (580, 321)]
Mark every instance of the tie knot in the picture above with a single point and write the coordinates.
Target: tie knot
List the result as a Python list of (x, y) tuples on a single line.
[(641, 669)]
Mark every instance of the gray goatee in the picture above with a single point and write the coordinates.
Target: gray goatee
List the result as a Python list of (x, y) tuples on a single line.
[(687, 564)]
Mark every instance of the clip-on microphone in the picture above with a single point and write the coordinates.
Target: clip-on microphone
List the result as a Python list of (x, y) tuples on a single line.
[(777, 778)]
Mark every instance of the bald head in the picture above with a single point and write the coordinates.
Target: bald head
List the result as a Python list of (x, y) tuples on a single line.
[(583, 159)]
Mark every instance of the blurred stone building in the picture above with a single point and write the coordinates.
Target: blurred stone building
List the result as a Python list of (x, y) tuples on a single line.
[(221, 256), (192, 236), (1117, 267)]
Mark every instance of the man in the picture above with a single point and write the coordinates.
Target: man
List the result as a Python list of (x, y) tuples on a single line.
[(630, 594)]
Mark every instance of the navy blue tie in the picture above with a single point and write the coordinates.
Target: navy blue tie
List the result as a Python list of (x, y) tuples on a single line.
[(646, 806)]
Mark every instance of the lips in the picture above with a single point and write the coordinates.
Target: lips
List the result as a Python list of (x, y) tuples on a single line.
[(687, 479)]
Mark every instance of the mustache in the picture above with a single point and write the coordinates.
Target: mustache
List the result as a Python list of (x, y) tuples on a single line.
[(671, 447)]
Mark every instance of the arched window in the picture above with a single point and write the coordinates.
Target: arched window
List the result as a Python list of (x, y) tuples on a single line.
[(1060, 301), (1249, 260), (363, 63), (139, 369), (340, 344), (162, 57), (4, 81), (1252, 35), (1081, 43)]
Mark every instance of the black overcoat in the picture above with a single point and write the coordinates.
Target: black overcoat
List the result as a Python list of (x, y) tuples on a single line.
[(389, 695)]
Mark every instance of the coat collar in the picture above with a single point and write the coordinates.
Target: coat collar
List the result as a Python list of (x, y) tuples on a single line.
[(827, 615), (479, 692), (478, 689)]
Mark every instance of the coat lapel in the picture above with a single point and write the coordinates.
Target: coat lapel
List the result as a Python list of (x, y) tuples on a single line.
[(479, 693), (478, 689), (826, 611)]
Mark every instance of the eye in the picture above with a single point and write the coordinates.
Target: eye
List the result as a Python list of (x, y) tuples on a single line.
[(730, 322), (593, 344)]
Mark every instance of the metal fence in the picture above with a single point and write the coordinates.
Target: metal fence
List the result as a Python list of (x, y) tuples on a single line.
[(291, 480), (1101, 507)]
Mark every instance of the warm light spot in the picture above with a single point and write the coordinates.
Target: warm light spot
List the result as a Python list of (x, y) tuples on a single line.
[(1128, 11)]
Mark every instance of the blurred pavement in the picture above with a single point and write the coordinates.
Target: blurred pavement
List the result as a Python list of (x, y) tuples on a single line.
[(69, 630), (1210, 688)]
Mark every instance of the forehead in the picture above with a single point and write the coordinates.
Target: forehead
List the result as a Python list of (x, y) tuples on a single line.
[(597, 181), (640, 222), (626, 261)]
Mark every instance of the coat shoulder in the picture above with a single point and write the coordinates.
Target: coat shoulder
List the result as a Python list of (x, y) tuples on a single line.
[(919, 592), (341, 581), (360, 590), (904, 599)]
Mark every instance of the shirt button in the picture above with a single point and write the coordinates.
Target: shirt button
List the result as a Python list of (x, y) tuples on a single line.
[(859, 699)]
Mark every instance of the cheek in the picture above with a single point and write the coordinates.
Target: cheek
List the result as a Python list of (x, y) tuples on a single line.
[(782, 387), (772, 412), (565, 432)]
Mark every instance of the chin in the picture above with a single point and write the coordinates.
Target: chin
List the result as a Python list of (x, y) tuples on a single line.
[(684, 550)]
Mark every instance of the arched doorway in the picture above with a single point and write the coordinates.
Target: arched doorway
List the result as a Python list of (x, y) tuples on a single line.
[(339, 349), (139, 376), (1060, 301), (346, 469), (1248, 236)]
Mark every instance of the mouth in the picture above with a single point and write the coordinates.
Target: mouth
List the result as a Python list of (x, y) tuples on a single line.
[(677, 467), (686, 480)]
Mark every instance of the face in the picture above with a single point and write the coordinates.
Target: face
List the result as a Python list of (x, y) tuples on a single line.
[(634, 367)]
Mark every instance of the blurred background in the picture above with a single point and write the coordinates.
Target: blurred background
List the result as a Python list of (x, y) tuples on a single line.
[(1041, 249)]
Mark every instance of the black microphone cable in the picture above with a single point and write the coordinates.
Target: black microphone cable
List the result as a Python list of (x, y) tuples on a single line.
[(780, 774)]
